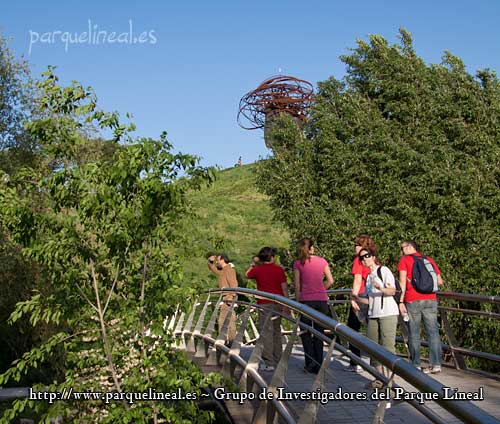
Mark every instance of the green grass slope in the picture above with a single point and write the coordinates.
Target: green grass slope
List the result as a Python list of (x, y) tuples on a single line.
[(233, 217)]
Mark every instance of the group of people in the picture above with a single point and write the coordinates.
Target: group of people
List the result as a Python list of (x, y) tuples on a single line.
[(377, 299)]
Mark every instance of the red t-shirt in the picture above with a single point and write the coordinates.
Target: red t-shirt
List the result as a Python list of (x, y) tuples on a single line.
[(269, 278), (406, 264), (359, 268)]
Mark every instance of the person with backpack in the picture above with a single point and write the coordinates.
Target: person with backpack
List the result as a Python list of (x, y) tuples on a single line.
[(420, 278), (383, 309)]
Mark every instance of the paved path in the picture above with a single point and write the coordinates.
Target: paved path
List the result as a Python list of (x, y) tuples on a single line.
[(350, 411), (362, 411)]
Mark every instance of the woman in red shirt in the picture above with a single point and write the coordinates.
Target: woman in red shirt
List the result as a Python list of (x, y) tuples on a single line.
[(359, 310), (270, 278)]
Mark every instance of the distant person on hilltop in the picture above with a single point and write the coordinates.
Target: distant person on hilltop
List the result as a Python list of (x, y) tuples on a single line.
[(270, 278), (239, 163), (226, 276)]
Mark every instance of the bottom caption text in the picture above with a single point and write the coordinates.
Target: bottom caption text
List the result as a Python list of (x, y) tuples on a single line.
[(220, 393)]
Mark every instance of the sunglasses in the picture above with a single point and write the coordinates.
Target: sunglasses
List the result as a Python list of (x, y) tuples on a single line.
[(365, 256)]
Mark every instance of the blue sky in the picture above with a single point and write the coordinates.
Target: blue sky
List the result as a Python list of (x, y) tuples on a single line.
[(206, 55)]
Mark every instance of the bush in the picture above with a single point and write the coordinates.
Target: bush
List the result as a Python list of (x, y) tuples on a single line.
[(398, 149)]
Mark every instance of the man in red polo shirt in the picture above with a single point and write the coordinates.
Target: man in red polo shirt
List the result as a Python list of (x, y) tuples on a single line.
[(419, 306), (271, 279)]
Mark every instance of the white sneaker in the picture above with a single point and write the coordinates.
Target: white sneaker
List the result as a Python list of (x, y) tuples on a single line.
[(358, 369), (267, 368), (436, 369)]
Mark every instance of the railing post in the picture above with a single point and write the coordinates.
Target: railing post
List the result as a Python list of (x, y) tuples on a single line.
[(308, 415), (229, 368), (209, 330), (189, 322), (214, 357), (191, 346), (253, 361), (452, 341), (333, 312), (265, 413), (254, 329), (213, 318), (170, 325), (378, 417), (178, 330)]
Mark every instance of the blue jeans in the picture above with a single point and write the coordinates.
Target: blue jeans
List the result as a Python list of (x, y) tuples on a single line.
[(426, 310)]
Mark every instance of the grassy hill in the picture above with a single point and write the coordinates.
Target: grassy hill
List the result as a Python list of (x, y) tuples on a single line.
[(233, 217)]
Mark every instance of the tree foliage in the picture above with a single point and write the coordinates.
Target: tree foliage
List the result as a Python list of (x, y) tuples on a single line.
[(398, 149), (18, 275), (16, 105), (98, 217)]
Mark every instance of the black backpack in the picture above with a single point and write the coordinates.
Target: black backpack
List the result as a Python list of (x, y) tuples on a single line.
[(397, 295), (424, 278)]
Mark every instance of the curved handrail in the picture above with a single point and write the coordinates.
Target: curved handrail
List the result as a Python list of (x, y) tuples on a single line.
[(451, 295), (280, 408), (347, 353), (464, 410), (453, 347), (470, 297)]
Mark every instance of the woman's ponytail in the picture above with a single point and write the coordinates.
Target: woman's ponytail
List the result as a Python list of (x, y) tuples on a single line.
[(305, 250)]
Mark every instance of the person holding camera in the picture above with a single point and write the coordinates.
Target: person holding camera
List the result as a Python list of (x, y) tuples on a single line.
[(226, 276)]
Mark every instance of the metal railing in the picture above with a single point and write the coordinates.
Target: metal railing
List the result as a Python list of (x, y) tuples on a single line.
[(203, 344), (457, 352)]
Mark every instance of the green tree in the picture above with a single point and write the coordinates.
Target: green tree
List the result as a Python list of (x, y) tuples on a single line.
[(18, 276), (17, 102), (99, 229), (398, 149)]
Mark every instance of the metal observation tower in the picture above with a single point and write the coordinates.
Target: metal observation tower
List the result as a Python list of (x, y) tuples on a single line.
[(276, 95)]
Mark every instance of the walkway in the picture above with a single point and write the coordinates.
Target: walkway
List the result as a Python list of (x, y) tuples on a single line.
[(344, 398), (362, 412)]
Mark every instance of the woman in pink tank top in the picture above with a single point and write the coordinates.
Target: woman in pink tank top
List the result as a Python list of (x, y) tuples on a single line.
[(309, 273)]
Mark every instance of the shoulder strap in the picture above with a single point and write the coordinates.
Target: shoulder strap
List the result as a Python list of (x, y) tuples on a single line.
[(379, 274)]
